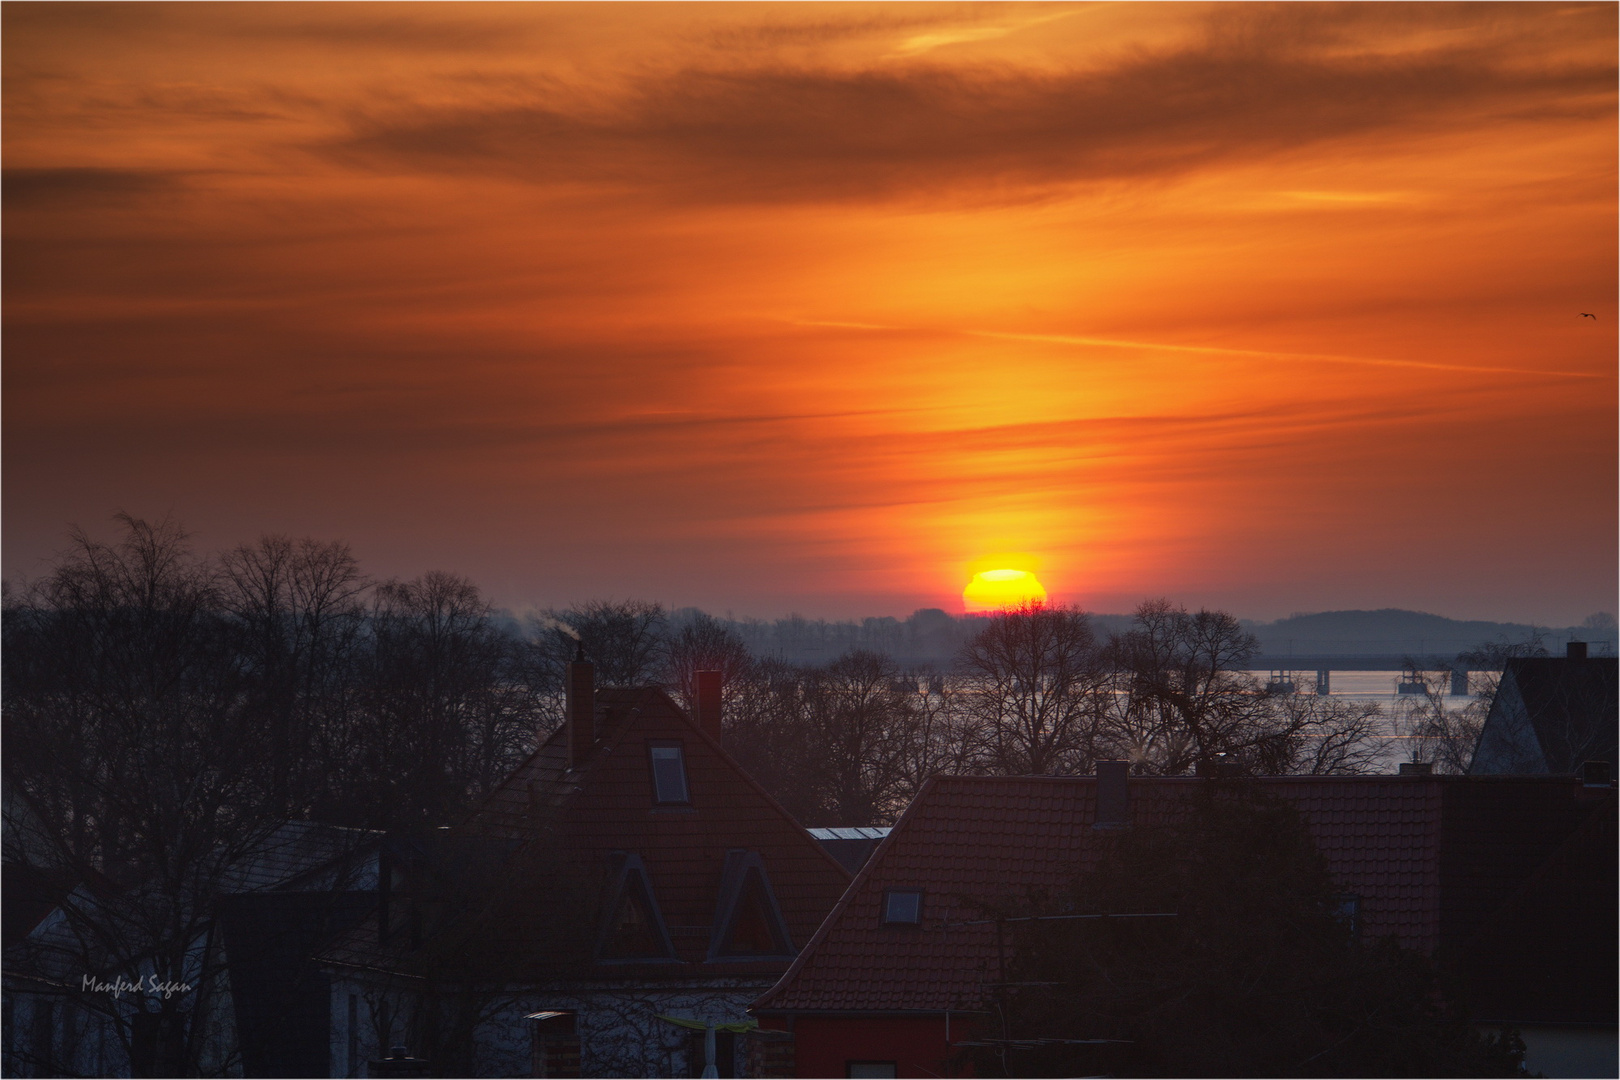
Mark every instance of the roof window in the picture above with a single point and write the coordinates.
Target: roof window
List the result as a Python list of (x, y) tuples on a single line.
[(668, 774), (635, 928), (748, 923), (902, 907)]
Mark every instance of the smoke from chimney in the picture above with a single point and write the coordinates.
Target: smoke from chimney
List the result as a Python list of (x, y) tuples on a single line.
[(546, 622)]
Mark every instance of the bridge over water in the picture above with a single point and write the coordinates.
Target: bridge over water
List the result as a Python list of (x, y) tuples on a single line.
[(1323, 667), (1365, 662)]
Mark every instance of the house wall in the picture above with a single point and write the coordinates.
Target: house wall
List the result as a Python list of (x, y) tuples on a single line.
[(919, 1046), (619, 1031), (1565, 1050)]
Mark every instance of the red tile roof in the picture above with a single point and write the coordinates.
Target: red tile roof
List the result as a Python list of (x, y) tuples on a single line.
[(967, 841), (606, 805)]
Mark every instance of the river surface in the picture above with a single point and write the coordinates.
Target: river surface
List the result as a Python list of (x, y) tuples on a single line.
[(1380, 688)]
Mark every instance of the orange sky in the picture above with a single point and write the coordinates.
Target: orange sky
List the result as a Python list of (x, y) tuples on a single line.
[(825, 307)]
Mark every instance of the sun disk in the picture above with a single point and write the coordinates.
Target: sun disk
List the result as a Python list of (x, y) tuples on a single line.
[(995, 590)]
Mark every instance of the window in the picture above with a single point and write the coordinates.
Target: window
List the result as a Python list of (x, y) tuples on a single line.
[(668, 773), (634, 929), (870, 1068), (1347, 909), (903, 906), (748, 923)]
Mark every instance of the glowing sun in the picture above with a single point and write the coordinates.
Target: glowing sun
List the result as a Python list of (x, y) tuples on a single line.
[(993, 590)]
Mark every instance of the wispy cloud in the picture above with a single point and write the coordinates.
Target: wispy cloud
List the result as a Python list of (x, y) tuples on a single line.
[(1206, 350), (957, 35), (28, 187), (1271, 354), (773, 134)]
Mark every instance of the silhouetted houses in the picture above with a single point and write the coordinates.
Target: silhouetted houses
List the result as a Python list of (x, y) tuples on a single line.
[(1510, 880), (1552, 714), (631, 891), (83, 997)]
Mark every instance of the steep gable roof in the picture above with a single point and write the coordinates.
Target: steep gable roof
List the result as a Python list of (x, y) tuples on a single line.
[(1551, 714), (971, 841), (603, 810)]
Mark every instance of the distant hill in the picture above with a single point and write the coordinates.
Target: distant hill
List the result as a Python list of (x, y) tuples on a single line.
[(931, 637), (1394, 631)]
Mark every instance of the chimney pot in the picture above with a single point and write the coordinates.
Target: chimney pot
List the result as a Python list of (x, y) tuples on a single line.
[(1417, 768), (1575, 650), (708, 703), (1113, 794), (580, 708), (1216, 766)]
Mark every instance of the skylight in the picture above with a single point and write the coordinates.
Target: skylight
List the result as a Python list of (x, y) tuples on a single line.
[(903, 906), (669, 773)]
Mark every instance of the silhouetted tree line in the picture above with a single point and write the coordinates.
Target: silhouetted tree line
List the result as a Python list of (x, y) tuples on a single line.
[(277, 681), (1034, 690)]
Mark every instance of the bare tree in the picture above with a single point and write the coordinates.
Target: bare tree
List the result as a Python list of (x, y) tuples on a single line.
[(445, 718), (1033, 679), (862, 724), (129, 744), (1182, 694), (945, 736), (623, 638), (1317, 735), (704, 643), (765, 730), (298, 606)]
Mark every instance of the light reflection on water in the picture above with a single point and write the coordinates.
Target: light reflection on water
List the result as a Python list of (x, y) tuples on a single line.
[(1379, 688), (1374, 685)]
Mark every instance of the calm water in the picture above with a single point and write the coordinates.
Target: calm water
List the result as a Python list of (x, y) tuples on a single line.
[(1379, 687)]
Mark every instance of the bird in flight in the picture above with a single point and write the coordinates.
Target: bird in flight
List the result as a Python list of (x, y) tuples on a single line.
[(1587, 315)]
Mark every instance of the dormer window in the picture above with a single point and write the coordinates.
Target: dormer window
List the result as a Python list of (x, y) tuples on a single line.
[(668, 774), (748, 923), (902, 907), (635, 928)]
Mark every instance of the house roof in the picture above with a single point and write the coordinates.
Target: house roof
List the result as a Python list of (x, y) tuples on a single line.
[(592, 816), (970, 842), (851, 845), (606, 805), (1552, 714), (1573, 706)]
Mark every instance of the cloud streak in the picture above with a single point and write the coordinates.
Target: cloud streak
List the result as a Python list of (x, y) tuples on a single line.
[(803, 135)]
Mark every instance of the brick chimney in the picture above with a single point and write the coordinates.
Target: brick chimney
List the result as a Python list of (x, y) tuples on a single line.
[(579, 685), (708, 703), (1113, 795), (1417, 768), (1575, 650)]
